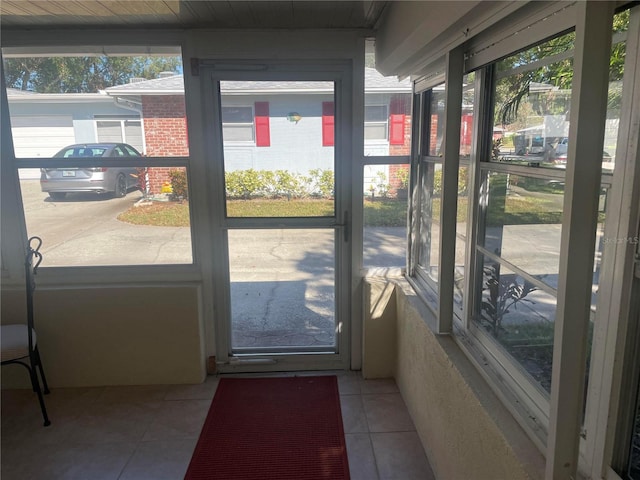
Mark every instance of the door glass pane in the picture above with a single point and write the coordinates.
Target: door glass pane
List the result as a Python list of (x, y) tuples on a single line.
[(282, 290), (278, 140)]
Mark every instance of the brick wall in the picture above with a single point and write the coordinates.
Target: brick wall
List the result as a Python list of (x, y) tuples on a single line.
[(165, 133), (400, 103), (165, 127)]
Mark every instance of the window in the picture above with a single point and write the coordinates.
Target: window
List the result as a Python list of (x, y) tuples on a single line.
[(237, 124), (280, 180), (385, 171), (429, 185), (245, 124), (385, 215), (512, 185), (519, 218), (375, 122), (78, 147), (464, 172), (126, 131)]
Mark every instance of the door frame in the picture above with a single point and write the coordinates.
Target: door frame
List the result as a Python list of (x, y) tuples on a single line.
[(340, 72)]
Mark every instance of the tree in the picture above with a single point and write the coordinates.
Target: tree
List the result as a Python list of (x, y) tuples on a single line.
[(513, 90), (86, 74)]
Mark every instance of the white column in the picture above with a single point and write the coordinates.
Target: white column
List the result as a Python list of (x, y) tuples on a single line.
[(584, 163)]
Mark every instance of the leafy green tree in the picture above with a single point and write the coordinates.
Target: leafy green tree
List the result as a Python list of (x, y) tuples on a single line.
[(513, 91), (86, 74)]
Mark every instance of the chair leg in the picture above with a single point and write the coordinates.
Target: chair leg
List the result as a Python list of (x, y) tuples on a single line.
[(43, 408), (44, 379)]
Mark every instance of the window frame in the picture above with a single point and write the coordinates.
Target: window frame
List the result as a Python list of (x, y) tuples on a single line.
[(249, 125), (122, 122), (520, 399), (418, 274), (379, 123), (106, 274)]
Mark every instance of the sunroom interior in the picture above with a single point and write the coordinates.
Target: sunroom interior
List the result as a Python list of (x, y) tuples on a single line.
[(505, 302)]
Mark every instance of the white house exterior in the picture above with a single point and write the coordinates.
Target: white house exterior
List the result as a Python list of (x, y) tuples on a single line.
[(150, 116)]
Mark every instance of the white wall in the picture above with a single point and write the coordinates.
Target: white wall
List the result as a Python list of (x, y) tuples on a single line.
[(296, 147)]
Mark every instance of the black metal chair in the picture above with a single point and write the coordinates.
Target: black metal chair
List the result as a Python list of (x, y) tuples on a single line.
[(19, 341)]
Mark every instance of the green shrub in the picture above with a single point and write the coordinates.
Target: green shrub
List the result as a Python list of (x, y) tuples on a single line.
[(244, 183), (321, 183), (437, 183), (382, 184), (290, 185), (462, 182), (252, 183), (402, 175), (179, 187)]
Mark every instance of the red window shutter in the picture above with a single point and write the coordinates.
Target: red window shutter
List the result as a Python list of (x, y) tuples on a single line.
[(263, 132), (466, 130), (328, 122), (396, 129)]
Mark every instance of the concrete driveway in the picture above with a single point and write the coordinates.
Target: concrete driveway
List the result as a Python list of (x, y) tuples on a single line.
[(83, 230)]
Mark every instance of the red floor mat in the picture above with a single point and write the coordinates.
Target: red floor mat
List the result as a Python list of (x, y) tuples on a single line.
[(272, 429)]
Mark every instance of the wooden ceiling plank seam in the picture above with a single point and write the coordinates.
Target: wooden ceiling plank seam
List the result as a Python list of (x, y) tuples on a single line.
[(18, 8), (302, 13), (277, 14), (225, 10), (170, 8), (205, 14), (184, 14), (106, 8), (239, 11)]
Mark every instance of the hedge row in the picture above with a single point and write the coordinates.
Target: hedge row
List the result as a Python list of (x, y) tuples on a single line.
[(252, 183)]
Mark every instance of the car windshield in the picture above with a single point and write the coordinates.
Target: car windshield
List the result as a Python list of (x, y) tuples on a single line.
[(82, 152)]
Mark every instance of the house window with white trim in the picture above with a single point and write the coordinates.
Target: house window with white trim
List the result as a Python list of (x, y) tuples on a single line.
[(237, 123), (120, 131), (376, 123)]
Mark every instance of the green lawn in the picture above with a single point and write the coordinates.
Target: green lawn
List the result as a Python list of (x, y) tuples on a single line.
[(386, 212), (159, 214), (382, 212)]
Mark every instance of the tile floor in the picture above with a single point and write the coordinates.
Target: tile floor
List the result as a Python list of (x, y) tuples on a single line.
[(149, 432)]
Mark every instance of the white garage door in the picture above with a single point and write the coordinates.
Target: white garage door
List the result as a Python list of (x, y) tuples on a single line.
[(41, 135)]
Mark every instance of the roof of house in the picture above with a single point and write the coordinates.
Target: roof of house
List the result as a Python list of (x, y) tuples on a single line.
[(27, 96), (171, 85)]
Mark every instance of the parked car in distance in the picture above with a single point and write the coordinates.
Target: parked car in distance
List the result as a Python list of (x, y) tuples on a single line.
[(57, 182), (561, 159)]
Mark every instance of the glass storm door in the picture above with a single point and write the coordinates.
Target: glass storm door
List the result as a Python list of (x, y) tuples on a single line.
[(283, 220)]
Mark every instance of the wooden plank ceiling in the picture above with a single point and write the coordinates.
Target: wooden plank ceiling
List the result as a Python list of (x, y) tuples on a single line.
[(18, 14)]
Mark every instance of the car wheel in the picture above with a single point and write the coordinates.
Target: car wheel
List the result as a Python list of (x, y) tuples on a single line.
[(57, 195), (120, 189)]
